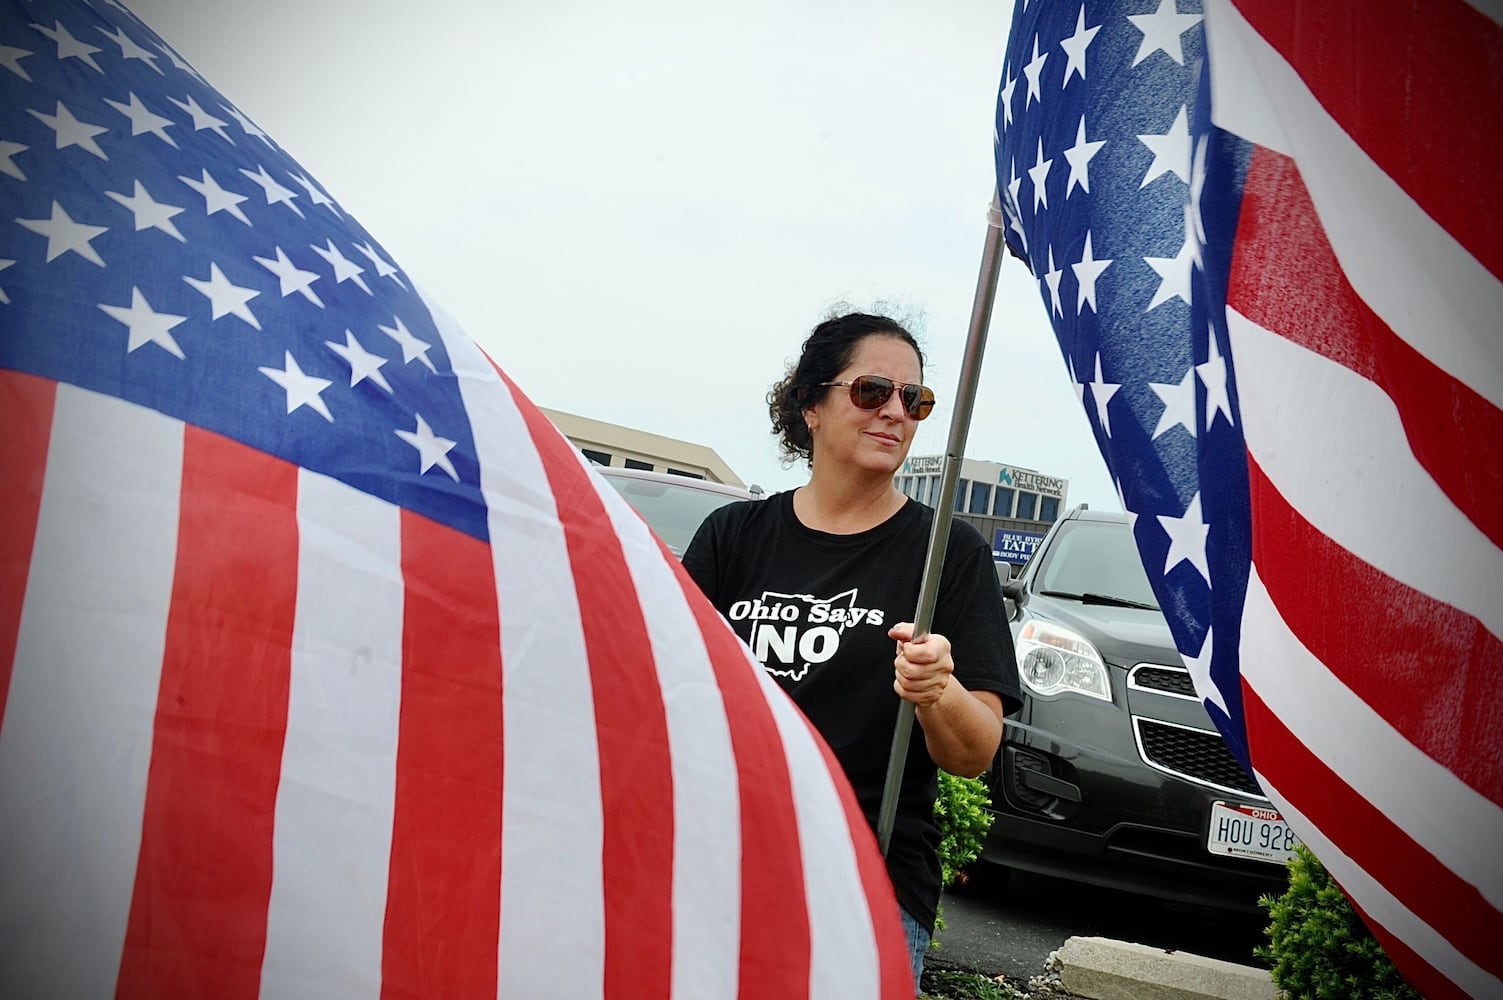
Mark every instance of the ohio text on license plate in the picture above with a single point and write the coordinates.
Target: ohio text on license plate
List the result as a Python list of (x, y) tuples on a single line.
[(1256, 832)]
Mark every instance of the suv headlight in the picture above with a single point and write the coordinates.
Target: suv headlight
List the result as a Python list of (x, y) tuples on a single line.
[(1053, 659)]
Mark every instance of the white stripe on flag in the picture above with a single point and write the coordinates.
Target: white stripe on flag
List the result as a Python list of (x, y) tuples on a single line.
[(1447, 309), (843, 960), (1331, 477), (1385, 908), (552, 828), (1438, 810), (76, 742), (334, 813), (706, 802)]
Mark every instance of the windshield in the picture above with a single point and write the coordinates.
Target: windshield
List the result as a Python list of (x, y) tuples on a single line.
[(1095, 557), (675, 512)]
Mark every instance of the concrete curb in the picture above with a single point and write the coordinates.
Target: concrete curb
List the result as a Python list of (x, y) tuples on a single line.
[(1102, 969)]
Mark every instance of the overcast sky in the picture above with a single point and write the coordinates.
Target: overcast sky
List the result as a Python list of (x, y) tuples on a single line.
[(641, 209)]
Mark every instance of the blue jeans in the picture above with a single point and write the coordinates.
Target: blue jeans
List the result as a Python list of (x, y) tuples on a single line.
[(918, 943)]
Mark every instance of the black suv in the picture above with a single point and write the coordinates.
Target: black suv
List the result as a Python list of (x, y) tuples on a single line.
[(1112, 772)]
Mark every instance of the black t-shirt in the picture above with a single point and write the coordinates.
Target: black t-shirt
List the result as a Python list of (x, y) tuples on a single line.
[(815, 609)]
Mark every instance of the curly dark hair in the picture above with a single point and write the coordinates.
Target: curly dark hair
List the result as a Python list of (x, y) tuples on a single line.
[(825, 354)]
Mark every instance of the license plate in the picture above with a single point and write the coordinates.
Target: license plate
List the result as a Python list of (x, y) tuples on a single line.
[(1257, 832)]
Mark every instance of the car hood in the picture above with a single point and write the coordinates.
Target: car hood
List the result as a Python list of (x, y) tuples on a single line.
[(1123, 635)]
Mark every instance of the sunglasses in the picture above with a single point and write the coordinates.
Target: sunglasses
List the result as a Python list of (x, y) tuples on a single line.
[(870, 392)]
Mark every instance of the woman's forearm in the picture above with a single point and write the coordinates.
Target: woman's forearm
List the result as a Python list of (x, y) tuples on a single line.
[(963, 729)]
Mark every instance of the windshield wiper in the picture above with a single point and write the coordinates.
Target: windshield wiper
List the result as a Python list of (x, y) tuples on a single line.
[(1088, 598)]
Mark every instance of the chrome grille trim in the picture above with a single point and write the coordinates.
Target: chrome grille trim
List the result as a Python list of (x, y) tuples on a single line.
[(1132, 680), (1137, 733)]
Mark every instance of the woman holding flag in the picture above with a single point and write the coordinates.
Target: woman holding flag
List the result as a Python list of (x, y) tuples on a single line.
[(818, 581)]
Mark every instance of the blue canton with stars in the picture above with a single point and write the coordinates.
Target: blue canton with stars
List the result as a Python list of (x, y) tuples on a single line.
[(1102, 152), (157, 246)]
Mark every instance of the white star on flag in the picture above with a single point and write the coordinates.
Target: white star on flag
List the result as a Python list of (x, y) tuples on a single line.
[(4, 299), (225, 297), (144, 120), (412, 347), (72, 132), (1006, 102), (1213, 376), (344, 268), (1179, 404), (382, 266), (146, 326), (1174, 275), (69, 47), (1079, 158), (63, 235), (1171, 151), (316, 194), (1087, 270), (1200, 672), (130, 50), (301, 389), (216, 198), (10, 58), (202, 119), (1051, 279), (246, 125), (1187, 539), (1038, 174), (7, 150), (432, 449), (363, 364), (1102, 392), (149, 213), (276, 194), (291, 277), (1034, 70), (1075, 48), (1161, 31)]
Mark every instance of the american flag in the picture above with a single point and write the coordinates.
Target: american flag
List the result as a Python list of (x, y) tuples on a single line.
[(327, 667), (1269, 237)]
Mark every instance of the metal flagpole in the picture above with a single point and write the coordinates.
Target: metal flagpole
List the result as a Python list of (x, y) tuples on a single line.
[(960, 424)]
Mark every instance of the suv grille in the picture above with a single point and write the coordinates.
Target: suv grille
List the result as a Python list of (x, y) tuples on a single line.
[(1167, 679), (1194, 754)]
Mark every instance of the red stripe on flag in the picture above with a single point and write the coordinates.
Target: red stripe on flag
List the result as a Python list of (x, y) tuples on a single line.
[(26, 404), (775, 958), (631, 724), (881, 901), (443, 903), (1419, 86), (197, 923), (1285, 277), (1430, 890), (1424, 977), (1430, 670)]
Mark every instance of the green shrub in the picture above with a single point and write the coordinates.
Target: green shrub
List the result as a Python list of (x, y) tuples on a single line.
[(960, 810), (1319, 948)]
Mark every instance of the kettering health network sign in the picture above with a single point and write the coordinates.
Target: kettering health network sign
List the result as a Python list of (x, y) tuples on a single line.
[(1013, 546)]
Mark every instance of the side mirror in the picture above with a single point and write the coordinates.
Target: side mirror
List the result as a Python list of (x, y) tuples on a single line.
[(1012, 589)]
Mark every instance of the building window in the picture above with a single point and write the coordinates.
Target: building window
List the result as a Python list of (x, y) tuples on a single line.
[(1027, 502), (905, 486), (1049, 509), (931, 491), (1002, 502), (685, 473), (981, 498), (961, 490), (636, 463), (598, 457)]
